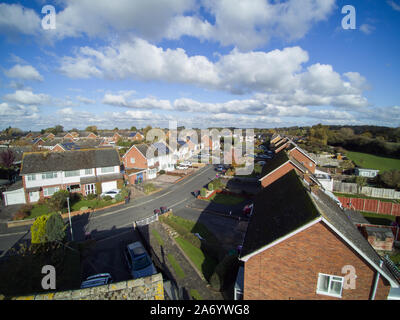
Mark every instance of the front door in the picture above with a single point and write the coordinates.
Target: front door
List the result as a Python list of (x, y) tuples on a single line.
[(34, 196)]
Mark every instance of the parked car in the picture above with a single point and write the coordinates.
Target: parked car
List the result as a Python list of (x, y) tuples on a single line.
[(186, 163), (97, 280), (111, 193), (220, 168), (180, 167), (261, 163), (139, 261), (157, 211), (164, 209)]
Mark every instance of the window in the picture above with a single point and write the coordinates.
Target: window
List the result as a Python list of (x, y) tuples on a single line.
[(132, 160), (330, 285), (50, 191), (49, 175), (88, 171), (90, 188), (74, 188), (107, 169), (31, 177), (72, 173)]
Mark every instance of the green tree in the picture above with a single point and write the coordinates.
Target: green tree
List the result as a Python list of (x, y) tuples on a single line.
[(59, 200), (92, 129), (55, 228), (361, 182), (38, 230), (133, 128)]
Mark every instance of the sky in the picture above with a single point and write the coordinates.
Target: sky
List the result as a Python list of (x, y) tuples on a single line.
[(200, 63)]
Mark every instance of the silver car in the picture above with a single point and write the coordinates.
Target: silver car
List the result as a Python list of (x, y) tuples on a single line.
[(139, 261), (97, 280)]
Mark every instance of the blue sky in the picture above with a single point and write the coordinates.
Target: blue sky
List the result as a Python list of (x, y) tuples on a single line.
[(202, 63)]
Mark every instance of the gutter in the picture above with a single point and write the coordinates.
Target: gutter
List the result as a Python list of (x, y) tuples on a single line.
[(375, 287)]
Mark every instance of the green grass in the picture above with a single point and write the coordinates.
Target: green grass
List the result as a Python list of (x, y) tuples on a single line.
[(195, 294), (396, 258), (362, 196), (370, 161), (205, 264), (195, 227), (39, 210), (158, 237), (175, 265), (375, 218), (226, 199)]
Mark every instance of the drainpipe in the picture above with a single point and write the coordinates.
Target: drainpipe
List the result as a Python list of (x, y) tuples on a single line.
[(376, 282)]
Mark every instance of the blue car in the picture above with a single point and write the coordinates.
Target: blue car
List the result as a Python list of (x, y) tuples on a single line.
[(139, 261)]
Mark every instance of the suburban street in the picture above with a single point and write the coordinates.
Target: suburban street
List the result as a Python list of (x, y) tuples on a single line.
[(107, 222)]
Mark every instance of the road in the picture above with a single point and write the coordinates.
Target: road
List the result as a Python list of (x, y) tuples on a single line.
[(176, 197)]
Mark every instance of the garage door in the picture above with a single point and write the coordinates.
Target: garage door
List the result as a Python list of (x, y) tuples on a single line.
[(14, 197), (106, 186)]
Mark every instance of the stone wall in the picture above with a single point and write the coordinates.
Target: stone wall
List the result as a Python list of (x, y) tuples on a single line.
[(149, 288)]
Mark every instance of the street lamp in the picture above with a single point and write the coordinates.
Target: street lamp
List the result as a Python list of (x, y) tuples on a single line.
[(70, 224)]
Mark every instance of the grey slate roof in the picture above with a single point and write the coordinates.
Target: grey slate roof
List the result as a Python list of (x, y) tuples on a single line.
[(69, 160), (279, 209)]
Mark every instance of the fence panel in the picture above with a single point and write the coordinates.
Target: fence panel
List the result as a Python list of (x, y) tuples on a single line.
[(371, 205)]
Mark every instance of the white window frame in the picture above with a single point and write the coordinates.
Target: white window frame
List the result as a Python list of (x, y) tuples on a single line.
[(90, 188), (31, 177), (107, 169), (52, 174), (132, 160), (88, 172), (72, 173), (46, 191), (329, 285)]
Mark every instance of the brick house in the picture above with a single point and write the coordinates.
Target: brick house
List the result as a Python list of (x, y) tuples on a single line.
[(280, 165), (145, 160), (300, 245), (83, 171)]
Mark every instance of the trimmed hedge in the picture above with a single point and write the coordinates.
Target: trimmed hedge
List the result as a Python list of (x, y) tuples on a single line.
[(225, 272)]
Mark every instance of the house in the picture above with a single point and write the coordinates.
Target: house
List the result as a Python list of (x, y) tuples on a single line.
[(151, 158), (210, 143), (324, 179), (280, 165), (83, 171), (135, 136), (85, 135), (368, 173), (300, 245), (275, 138)]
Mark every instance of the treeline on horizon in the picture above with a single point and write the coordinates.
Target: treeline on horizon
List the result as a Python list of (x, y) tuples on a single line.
[(382, 141)]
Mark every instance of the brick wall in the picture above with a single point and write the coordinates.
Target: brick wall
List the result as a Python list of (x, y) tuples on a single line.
[(149, 288), (277, 174), (140, 160), (289, 270), (300, 157)]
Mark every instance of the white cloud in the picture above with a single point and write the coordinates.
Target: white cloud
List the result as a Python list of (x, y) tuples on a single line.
[(27, 97), (394, 5), (85, 100), (15, 19), (146, 103), (367, 28), (25, 72)]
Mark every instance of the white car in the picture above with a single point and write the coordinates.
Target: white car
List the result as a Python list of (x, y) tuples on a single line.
[(186, 163), (111, 193), (180, 167)]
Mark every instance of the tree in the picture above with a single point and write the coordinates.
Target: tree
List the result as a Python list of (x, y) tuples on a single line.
[(7, 158), (390, 178), (58, 129), (361, 182), (92, 129), (38, 230), (55, 228), (133, 128), (59, 200)]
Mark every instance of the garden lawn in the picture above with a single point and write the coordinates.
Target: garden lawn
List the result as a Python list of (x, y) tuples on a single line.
[(205, 264), (226, 199), (375, 218), (370, 161), (175, 265)]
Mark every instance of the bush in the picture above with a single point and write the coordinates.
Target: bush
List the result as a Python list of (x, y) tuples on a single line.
[(162, 172), (59, 200), (38, 230), (203, 192), (210, 187), (91, 196), (212, 249), (224, 273), (20, 216), (107, 198), (55, 228), (118, 198)]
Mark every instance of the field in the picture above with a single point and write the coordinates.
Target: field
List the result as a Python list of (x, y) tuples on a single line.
[(369, 161)]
